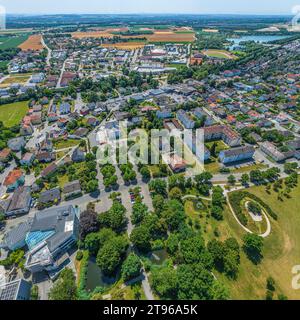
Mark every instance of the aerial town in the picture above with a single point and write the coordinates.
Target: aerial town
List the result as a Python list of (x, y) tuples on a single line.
[(72, 228)]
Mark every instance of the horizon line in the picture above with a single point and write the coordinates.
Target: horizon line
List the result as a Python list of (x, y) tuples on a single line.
[(153, 13)]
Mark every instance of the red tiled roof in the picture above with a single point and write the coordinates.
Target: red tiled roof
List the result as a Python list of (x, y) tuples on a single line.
[(12, 177)]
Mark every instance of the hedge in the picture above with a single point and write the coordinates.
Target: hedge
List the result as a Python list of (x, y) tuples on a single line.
[(82, 293), (235, 200)]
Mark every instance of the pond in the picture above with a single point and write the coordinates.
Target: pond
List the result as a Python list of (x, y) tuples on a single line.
[(259, 39), (158, 257), (96, 278)]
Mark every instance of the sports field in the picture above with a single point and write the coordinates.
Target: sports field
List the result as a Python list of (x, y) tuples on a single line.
[(12, 114), (220, 54)]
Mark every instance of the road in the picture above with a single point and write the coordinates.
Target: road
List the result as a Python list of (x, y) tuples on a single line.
[(48, 58), (61, 75)]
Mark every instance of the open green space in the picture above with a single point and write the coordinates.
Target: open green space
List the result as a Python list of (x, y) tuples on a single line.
[(64, 144), (280, 252), (12, 114), (7, 42)]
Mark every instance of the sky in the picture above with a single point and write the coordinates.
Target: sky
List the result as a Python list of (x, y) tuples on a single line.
[(150, 6)]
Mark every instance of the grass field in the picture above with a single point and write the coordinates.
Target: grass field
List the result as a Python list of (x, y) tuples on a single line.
[(221, 54), (18, 78), (12, 114), (281, 250), (7, 42), (64, 144)]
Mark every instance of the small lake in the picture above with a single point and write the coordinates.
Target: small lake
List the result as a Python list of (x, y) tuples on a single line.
[(158, 257), (96, 278), (258, 39)]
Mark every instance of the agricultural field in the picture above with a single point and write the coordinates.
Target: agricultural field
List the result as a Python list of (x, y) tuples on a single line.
[(220, 54), (125, 45), (92, 34), (12, 114), (158, 36), (34, 43), (18, 78), (8, 42)]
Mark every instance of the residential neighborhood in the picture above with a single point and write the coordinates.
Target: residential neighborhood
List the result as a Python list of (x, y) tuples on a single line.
[(138, 156)]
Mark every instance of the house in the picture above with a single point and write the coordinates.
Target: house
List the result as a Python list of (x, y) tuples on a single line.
[(48, 236), (27, 159), (94, 122), (185, 119), (177, 164), (72, 189), (45, 156), (15, 290), (65, 108), (14, 180), (20, 202), (52, 168), (36, 118), (5, 155), (78, 155), (16, 144), (256, 137), (26, 128), (37, 78), (81, 132), (236, 154), (50, 196), (84, 111), (164, 114)]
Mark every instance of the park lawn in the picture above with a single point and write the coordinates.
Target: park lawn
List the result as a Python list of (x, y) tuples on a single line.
[(212, 167), (63, 180), (250, 168), (64, 144), (220, 146), (221, 54), (11, 114), (281, 250), (131, 292)]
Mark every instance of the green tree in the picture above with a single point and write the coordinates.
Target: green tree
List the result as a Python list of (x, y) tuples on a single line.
[(131, 267), (164, 282), (140, 237), (65, 287), (110, 255), (175, 193), (253, 246)]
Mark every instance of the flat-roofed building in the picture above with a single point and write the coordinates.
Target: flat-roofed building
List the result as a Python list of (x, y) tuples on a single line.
[(15, 290)]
